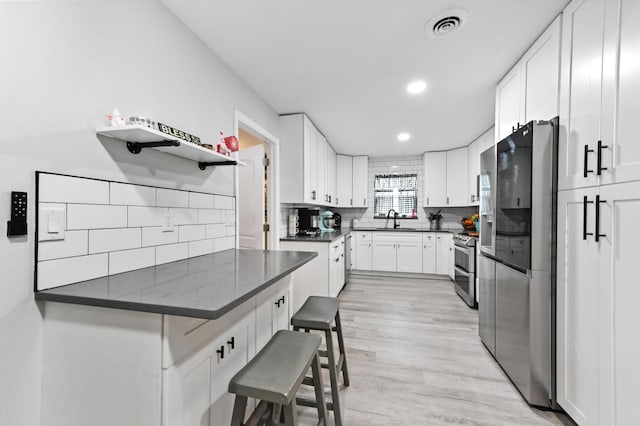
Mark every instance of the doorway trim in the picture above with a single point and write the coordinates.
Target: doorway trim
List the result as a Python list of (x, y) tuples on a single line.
[(273, 176)]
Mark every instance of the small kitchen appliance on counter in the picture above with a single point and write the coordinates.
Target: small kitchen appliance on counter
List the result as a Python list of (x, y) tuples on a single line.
[(308, 221), (337, 217), (326, 221)]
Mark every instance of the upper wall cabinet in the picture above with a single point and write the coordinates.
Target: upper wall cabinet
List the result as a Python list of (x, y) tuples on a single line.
[(309, 168), (360, 181), (530, 90), (344, 177), (445, 178)]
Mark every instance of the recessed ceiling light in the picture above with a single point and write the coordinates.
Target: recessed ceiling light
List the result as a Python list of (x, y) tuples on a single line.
[(416, 87), (403, 137)]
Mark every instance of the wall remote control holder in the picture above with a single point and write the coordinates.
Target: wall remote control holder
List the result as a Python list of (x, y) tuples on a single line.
[(18, 223)]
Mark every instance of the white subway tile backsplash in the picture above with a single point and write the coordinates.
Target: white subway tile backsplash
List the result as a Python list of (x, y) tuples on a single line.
[(184, 216), (171, 253), (128, 260), (209, 216), (75, 243), (171, 198), (66, 189), (199, 248), (216, 230), (191, 233), (114, 227), (220, 244), (146, 216), (231, 216), (88, 216), (53, 273), (222, 202), (132, 195), (104, 240), (155, 236), (200, 201)]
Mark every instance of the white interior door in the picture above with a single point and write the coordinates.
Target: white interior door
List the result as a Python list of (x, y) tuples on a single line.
[(251, 198)]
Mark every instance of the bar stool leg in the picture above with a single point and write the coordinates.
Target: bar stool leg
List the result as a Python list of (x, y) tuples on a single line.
[(333, 375), (239, 408), (319, 388), (291, 414), (345, 372)]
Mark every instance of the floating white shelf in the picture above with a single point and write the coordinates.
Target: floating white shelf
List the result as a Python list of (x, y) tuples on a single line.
[(138, 137)]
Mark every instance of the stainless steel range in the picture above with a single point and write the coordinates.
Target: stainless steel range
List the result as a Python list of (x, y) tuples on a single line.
[(465, 268)]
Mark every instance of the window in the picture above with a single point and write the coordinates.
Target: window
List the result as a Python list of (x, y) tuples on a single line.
[(398, 192)]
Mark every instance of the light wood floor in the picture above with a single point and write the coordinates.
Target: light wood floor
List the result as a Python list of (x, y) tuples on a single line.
[(415, 358)]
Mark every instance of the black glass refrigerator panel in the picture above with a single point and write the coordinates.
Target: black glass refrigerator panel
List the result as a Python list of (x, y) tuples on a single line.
[(513, 199)]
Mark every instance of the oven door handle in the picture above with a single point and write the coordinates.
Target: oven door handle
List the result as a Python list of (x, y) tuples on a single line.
[(463, 249), (461, 271)]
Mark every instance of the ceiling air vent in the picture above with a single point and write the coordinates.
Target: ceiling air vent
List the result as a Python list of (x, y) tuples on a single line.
[(446, 23), (446, 26)]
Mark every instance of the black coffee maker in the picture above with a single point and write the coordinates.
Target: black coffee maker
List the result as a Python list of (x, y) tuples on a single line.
[(308, 220), (338, 221)]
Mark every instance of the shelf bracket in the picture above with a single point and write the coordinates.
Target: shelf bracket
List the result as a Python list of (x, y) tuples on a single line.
[(203, 165), (136, 147)]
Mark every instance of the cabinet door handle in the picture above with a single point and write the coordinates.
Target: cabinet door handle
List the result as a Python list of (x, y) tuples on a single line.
[(585, 206), (586, 170), (277, 303), (337, 200), (600, 168), (221, 352), (282, 300), (365, 201), (447, 200), (313, 195), (232, 342), (597, 233), (350, 201), (518, 202)]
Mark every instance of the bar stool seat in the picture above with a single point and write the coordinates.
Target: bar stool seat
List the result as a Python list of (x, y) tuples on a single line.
[(274, 376), (319, 313)]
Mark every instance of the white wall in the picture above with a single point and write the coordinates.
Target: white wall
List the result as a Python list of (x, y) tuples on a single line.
[(65, 64)]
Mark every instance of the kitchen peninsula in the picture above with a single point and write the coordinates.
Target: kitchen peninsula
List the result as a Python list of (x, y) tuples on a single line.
[(158, 345)]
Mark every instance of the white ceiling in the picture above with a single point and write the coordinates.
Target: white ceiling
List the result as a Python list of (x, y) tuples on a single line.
[(346, 63)]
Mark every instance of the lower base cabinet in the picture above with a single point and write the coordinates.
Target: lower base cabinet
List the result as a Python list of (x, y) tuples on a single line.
[(108, 367), (195, 389), (364, 249)]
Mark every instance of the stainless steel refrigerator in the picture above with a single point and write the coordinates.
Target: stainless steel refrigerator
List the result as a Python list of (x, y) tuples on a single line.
[(517, 264)]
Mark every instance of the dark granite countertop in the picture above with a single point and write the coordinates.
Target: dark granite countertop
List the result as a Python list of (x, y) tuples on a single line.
[(202, 287), (324, 237), (451, 231)]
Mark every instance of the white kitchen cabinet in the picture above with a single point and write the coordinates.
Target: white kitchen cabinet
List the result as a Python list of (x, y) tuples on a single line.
[(530, 90), (489, 139), (541, 67), (336, 266), (384, 255), (620, 160), (435, 179), (457, 177), (298, 160), (597, 304), (409, 254), (344, 181), (509, 103), (581, 93), (452, 257), (195, 388), (443, 253), (360, 181), (321, 160), (473, 170), (273, 313), (362, 241), (331, 176), (429, 253)]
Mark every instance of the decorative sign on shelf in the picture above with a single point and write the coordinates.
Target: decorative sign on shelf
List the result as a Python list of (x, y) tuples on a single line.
[(178, 133)]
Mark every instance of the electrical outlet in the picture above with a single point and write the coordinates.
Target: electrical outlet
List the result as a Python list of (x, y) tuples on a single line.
[(167, 222), (18, 223)]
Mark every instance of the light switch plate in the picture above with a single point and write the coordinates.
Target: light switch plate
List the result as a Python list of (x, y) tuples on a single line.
[(52, 221)]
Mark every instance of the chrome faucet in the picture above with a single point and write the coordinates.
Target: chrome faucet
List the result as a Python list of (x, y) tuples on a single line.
[(395, 218)]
